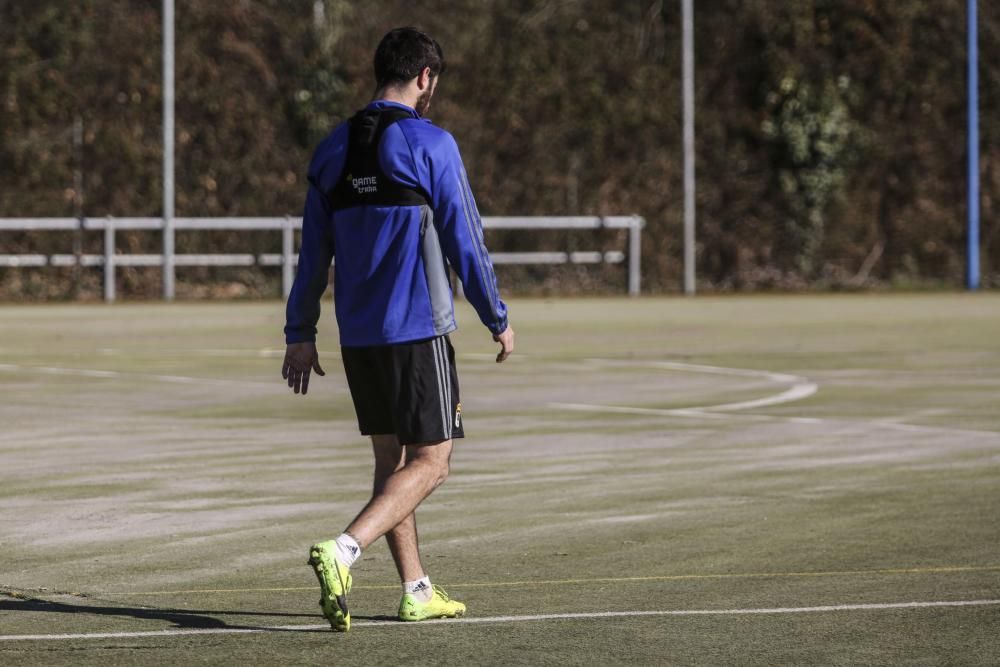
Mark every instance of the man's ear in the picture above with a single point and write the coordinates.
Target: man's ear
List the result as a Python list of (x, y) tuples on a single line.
[(424, 79)]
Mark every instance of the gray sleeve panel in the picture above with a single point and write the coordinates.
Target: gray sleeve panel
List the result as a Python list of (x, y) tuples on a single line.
[(438, 285)]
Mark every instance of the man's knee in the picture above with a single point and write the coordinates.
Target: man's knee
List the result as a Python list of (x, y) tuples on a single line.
[(436, 460), (437, 470), (442, 473)]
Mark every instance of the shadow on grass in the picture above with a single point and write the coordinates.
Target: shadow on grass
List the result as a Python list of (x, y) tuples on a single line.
[(180, 618)]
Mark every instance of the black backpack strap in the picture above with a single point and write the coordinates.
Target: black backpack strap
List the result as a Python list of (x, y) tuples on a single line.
[(362, 182)]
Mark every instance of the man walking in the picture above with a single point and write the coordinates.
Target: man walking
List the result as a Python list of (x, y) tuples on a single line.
[(389, 197)]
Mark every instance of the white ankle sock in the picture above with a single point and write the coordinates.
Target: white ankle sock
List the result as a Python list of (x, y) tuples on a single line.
[(420, 589), (348, 549)]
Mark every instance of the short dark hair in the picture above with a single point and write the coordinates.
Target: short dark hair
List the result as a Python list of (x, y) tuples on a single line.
[(403, 53)]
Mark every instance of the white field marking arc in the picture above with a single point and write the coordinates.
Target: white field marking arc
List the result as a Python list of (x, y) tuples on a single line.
[(794, 393), (679, 412), (715, 370), (579, 616), (106, 374), (697, 413), (801, 388)]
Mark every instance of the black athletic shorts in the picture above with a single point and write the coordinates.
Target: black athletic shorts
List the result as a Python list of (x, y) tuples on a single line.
[(409, 389)]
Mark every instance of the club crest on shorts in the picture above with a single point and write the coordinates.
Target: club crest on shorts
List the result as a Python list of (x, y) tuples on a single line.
[(458, 416)]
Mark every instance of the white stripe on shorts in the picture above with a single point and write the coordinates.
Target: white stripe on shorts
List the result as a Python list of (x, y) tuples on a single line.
[(435, 344), (447, 384)]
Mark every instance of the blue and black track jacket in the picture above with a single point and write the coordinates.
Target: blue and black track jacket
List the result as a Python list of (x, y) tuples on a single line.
[(395, 217)]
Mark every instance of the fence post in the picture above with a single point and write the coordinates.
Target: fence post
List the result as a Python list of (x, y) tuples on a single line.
[(634, 256), (109, 260), (169, 45), (287, 251)]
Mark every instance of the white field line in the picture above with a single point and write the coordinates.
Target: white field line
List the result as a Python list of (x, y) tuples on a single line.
[(946, 569), (579, 616), (920, 428), (630, 410), (105, 374), (490, 356), (801, 388), (178, 379), (268, 353)]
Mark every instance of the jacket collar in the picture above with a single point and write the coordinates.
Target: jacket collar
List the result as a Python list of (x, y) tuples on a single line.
[(382, 104)]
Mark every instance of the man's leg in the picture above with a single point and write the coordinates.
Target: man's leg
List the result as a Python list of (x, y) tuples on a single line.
[(421, 600), (389, 458), (425, 468), (386, 382)]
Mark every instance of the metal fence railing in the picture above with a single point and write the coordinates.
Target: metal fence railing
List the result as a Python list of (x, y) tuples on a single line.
[(111, 258)]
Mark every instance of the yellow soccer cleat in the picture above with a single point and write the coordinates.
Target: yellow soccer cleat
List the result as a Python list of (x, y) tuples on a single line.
[(439, 606), (334, 584)]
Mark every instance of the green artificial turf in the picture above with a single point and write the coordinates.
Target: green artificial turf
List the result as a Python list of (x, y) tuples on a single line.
[(179, 486)]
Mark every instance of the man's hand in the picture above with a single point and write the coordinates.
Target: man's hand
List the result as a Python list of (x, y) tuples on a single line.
[(506, 340), (300, 360)]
